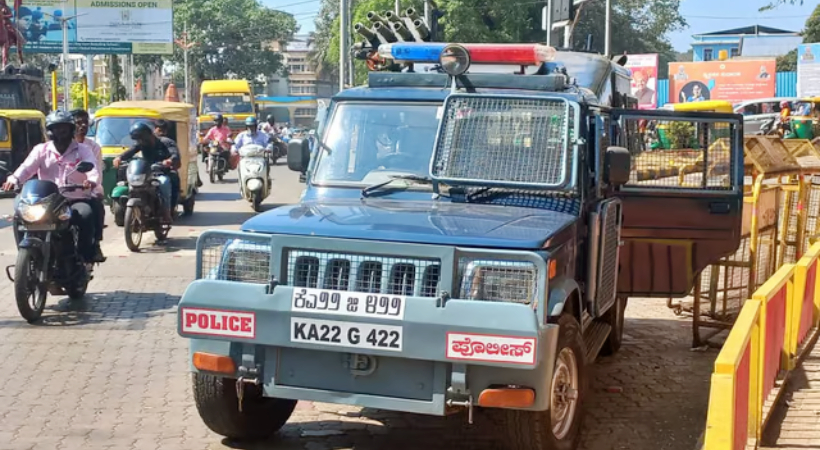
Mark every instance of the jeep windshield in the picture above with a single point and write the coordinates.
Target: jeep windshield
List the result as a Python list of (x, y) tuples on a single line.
[(370, 143)]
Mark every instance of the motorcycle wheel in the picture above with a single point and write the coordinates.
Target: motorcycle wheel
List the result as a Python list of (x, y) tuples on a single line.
[(256, 201), (119, 213), (133, 229), (27, 286), (212, 171), (220, 176), (77, 290)]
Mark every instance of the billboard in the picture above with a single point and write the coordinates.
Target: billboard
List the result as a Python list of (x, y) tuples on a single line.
[(733, 81), (644, 70), (808, 70), (97, 26)]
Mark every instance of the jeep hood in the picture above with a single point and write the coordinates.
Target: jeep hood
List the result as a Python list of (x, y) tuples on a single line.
[(421, 222)]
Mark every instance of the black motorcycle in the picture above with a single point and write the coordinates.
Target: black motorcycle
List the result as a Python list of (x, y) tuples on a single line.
[(143, 211), (217, 161), (48, 260)]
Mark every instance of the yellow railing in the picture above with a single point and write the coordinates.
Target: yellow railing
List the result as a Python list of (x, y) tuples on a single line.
[(762, 348)]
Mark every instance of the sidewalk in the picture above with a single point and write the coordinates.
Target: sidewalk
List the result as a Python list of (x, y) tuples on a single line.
[(795, 424)]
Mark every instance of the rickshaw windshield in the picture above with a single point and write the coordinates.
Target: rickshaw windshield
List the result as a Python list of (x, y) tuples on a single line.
[(4, 130), (226, 103), (114, 131)]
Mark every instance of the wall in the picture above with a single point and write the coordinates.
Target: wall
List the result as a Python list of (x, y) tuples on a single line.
[(697, 50)]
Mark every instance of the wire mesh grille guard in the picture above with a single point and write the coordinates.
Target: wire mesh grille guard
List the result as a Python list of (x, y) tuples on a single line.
[(515, 141), (364, 273), (230, 258)]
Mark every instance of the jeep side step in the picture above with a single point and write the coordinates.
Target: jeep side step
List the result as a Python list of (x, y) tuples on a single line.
[(595, 336)]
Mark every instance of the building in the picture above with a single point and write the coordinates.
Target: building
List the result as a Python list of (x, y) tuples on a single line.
[(294, 97), (749, 41)]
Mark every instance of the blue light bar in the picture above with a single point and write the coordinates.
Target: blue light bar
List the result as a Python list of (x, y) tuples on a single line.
[(420, 52)]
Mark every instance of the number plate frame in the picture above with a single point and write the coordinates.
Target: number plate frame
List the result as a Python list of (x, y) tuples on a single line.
[(347, 303), (356, 335)]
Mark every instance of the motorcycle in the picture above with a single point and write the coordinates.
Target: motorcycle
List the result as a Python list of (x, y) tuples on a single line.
[(48, 261), (278, 148), (769, 128), (144, 207), (217, 160), (254, 170)]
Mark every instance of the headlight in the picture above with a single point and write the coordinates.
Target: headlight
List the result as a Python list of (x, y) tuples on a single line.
[(32, 213), (246, 263), (500, 281), (136, 179), (65, 213), (214, 150)]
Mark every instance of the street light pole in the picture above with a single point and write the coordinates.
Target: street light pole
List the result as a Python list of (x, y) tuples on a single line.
[(185, 45), (343, 40), (608, 30), (66, 74)]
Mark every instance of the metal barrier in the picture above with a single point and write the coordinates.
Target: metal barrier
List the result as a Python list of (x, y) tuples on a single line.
[(768, 338)]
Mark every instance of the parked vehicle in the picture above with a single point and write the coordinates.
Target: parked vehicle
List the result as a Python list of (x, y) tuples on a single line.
[(254, 174), (110, 129), (462, 248), (48, 260), (143, 210)]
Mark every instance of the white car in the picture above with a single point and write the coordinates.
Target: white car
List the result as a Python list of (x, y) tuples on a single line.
[(759, 111)]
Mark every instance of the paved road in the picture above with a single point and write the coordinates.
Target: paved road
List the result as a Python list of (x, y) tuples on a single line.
[(110, 371)]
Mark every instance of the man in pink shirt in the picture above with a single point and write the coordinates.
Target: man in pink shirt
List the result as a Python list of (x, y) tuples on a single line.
[(56, 161), (81, 120), (220, 133)]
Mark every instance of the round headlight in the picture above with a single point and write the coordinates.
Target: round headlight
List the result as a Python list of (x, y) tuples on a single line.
[(455, 60), (32, 213), (136, 179)]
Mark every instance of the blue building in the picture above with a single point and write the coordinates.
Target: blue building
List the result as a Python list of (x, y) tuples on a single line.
[(750, 41)]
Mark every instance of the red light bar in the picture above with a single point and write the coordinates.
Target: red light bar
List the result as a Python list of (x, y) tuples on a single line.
[(518, 54)]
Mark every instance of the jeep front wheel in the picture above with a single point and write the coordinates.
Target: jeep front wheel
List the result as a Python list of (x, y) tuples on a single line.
[(558, 428), (218, 406)]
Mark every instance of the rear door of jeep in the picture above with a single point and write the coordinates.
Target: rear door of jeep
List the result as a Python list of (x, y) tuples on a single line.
[(682, 207)]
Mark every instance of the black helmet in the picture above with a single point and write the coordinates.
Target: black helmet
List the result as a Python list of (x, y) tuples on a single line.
[(140, 130), (269, 118), (218, 118), (59, 117)]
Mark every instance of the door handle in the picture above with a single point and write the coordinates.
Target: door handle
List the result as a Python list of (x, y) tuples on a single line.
[(719, 208)]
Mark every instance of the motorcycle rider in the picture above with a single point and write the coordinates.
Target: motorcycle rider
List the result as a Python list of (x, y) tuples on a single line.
[(269, 126), (220, 133), (251, 135), (161, 130), (53, 161), (154, 151), (81, 121)]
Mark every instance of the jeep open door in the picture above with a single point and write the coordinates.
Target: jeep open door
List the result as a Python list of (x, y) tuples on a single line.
[(682, 207)]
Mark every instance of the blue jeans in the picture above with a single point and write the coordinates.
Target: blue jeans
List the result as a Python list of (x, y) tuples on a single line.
[(165, 190)]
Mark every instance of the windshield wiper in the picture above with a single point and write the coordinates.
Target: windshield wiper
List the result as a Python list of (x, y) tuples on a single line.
[(369, 190)]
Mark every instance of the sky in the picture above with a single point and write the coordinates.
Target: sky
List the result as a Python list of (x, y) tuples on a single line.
[(701, 15)]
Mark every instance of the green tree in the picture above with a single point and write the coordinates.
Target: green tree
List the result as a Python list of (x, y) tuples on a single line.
[(233, 38), (319, 56), (787, 62), (95, 97), (811, 31)]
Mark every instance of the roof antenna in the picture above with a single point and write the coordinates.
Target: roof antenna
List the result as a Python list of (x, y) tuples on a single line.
[(590, 39)]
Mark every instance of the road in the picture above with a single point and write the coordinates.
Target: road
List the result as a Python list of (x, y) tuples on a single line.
[(110, 372)]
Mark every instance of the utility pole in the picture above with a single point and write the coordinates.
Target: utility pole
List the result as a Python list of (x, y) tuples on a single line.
[(548, 25), (608, 30), (344, 47), (185, 45), (398, 6), (66, 72)]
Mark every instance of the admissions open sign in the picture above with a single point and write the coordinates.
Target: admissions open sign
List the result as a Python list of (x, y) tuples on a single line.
[(98, 26), (733, 81)]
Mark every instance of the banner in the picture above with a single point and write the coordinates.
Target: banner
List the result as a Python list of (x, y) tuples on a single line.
[(644, 79), (97, 26), (808, 70), (733, 81)]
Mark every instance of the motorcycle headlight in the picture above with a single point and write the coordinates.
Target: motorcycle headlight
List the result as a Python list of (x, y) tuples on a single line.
[(214, 150), (65, 213), (500, 281), (32, 212), (136, 179)]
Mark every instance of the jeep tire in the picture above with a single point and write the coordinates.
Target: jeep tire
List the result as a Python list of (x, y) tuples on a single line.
[(614, 318), (535, 430), (218, 407)]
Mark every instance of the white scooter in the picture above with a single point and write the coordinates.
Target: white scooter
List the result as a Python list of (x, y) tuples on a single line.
[(254, 174)]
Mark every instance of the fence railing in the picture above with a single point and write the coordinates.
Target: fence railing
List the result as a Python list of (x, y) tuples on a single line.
[(767, 340)]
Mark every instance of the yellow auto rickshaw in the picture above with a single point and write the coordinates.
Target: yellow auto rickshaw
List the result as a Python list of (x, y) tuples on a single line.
[(806, 126), (719, 129), (20, 131), (111, 130)]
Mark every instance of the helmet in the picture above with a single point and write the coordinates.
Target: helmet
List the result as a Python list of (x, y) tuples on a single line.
[(218, 118), (269, 118), (140, 130), (251, 122), (59, 117), (784, 104)]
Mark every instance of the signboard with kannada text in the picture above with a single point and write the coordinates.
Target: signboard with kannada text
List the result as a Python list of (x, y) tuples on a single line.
[(97, 26), (733, 81)]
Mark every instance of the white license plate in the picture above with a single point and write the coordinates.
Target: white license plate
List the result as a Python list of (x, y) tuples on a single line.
[(346, 334), (344, 303)]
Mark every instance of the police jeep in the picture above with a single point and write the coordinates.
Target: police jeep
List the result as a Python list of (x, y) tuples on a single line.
[(467, 239)]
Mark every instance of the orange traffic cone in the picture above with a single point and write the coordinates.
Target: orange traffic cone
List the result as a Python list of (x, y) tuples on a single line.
[(171, 94)]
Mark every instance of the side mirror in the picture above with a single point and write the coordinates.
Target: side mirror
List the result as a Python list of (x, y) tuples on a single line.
[(84, 167), (298, 155), (617, 166)]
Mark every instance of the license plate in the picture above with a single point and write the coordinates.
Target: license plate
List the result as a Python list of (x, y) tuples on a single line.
[(37, 227), (344, 303), (346, 334)]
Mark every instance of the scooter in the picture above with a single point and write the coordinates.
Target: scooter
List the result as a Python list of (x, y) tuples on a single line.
[(254, 174)]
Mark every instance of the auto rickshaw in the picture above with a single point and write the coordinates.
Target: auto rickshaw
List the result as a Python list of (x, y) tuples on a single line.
[(806, 126), (111, 130), (720, 129), (20, 131)]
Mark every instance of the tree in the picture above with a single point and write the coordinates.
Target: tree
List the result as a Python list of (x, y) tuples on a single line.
[(95, 97), (811, 32), (319, 56), (775, 3), (234, 38), (787, 62)]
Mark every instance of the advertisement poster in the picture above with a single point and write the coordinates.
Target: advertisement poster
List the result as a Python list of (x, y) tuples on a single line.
[(808, 70), (97, 26), (644, 79), (733, 81)]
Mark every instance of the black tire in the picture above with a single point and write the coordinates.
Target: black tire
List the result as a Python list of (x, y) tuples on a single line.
[(212, 171), (220, 176), (218, 406), (76, 291), (131, 217), (615, 318), (256, 201), (188, 206), (26, 284), (533, 430), (119, 213)]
